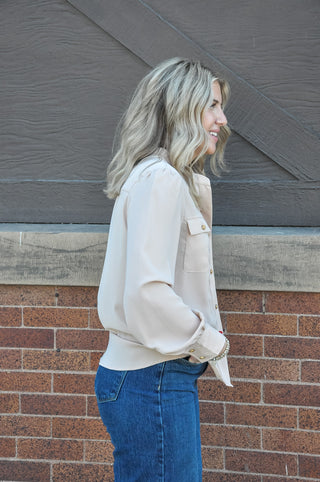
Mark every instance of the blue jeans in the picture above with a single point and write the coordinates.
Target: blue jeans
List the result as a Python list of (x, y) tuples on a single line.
[(152, 416)]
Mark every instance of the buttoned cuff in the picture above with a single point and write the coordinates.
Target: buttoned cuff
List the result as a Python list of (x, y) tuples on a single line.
[(208, 344)]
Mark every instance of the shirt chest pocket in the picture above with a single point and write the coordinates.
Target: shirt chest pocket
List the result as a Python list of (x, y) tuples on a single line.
[(196, 258)]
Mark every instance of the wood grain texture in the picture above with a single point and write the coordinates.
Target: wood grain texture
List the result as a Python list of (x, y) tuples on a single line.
[(67, 77), (273, 203), (245, 162), (275, 46), (158, 39), (69, 202), (60, 95)]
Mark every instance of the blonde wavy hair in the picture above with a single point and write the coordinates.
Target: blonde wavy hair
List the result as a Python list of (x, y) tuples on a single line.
[(166, 112)]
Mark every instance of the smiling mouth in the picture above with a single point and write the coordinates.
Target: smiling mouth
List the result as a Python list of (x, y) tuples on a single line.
[(213, 134)]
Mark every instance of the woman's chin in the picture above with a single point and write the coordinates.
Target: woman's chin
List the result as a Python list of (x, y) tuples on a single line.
[(211, 150)]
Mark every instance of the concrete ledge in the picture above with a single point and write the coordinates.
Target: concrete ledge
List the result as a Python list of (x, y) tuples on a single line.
[(245, 258), (275, 259)]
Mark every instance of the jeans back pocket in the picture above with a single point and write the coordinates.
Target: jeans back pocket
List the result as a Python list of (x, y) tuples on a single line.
[(108, 384)]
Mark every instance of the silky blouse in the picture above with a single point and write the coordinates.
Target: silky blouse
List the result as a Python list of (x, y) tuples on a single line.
[(157, 295)]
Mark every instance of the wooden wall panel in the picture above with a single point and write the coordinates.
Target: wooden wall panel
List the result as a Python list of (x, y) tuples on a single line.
[(279, 203), (253, 115), (46, 201), (61, 99), (245, 162), (70, 67), (274, 45)]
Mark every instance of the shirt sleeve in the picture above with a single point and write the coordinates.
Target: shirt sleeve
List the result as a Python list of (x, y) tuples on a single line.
[(155, 314)]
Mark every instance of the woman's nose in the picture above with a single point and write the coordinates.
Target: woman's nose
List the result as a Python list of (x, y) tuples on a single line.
[(222, 120)]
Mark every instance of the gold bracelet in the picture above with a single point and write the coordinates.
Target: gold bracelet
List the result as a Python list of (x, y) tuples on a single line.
[(223, 354)]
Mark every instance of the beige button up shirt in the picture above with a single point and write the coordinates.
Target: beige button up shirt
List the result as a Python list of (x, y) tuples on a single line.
[(157, 293)]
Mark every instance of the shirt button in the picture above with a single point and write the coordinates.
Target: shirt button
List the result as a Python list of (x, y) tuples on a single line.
[(216, 307), (191, 351), (203, 227), (211, 271), (201, 357)]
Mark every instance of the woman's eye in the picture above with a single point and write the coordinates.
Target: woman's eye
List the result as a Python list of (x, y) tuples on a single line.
[(213, 105)]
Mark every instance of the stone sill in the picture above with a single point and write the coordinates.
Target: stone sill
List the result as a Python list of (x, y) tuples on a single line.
[(245, 258)]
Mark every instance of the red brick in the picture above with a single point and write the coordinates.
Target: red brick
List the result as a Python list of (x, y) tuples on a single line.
[(56, 360), (212, 458), (27, 295), (310, 371), (79, 296), (299, 303), (10, 316), (246, 345), (7, 447), (264, 369), (270, 478), (53, 405), (95, 359), (25, 382), (211, 412), (291, 441), (79, 428), (227, 436), (26, 337), (309, 326), (261, 462), (297, 348), (240, 300), (261, 324), (9, 403), (244, 392), (21, 426), (93, 410), (82, 339), (20, 470), (53, 317), (99, 451), (86, 472), (287, 394), (309, 466), (309, 419), (261, 416), (94, 319), (50, 449), (230, 477), (73, 383), (10, 359)]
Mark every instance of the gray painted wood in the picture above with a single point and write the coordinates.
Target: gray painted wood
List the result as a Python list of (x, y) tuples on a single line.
[(253, 115), (274, 45), (65, 82), (60, 102), (244, 162), (70, 202), (244, 258), (287, 203)]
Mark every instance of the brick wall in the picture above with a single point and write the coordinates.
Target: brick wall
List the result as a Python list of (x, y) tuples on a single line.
[(265, 429)]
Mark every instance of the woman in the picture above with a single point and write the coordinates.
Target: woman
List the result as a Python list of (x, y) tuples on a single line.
[(157, 293)]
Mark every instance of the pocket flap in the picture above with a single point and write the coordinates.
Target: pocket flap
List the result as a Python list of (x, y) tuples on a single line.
[(197, 226)]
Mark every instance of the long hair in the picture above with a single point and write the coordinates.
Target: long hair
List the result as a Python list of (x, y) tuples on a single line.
[(166, 112)]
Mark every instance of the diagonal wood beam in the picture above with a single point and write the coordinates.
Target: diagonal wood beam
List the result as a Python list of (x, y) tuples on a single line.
[(256, 118)]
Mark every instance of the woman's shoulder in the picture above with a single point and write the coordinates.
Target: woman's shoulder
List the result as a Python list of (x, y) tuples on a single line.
[(154, 168)]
